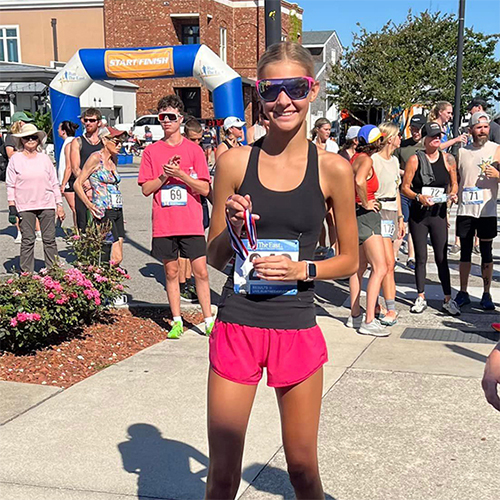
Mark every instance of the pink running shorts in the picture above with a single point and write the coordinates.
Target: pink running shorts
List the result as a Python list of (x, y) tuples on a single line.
[(239, 353)]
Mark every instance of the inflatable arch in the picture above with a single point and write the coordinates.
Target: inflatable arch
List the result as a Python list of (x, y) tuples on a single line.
[(178, 61)]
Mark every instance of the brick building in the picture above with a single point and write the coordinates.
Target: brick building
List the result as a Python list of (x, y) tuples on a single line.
[(233, 29)]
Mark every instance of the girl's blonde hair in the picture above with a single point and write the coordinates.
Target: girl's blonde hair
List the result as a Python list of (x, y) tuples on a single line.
[(437, 108), (15, 128), (389, 130), (317, 125), (287, 51)]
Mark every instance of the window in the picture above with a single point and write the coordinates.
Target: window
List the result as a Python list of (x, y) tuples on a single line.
[(190, 34), (191, 97), (9, 44), (223, 44)]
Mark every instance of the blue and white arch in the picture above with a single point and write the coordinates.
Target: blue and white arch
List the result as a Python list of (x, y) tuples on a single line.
[(179, 61)]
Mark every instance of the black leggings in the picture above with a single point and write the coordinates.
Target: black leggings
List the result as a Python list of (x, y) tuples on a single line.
[(437, 227)]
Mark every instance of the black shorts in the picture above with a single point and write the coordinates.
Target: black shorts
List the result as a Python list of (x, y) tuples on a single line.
[(71, 182), (169, 247), (369, 223), (484, 227), (115, 216)]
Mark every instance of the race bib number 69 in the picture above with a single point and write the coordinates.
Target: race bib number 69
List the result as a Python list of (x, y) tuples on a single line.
[(173, 195)]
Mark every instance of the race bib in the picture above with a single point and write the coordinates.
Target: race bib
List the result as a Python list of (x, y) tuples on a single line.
[(388, 228), (173, 195), (116, 200), (436, 194), (245, 278), (472, 196)]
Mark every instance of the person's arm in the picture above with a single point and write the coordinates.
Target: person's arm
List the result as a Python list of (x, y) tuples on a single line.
[(228, 177), (410, 171), (221, 148), (451, 166), (461, 138), (147, 180), (55, 188), (251, 134), (493, 171), (173, 169), (75, 156), (362, 167), (90, 166), (337, 184), (10, 182), (67, 171), (401, 222), (10, 151), (491, 378)]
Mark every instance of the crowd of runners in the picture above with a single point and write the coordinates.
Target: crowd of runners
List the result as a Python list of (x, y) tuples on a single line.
[(270, 201)]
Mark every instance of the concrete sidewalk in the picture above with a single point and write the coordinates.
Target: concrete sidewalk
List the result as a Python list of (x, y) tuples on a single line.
[(402, 419)]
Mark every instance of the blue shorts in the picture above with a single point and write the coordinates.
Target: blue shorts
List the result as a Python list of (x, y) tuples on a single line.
[(405, 207)]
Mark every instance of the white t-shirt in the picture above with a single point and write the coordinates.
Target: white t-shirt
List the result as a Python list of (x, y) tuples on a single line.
[(331, 146), (477, 195), (388, 180), (62, 161)]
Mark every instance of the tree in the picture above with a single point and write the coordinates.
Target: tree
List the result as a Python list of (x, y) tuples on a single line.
[(414, 63)]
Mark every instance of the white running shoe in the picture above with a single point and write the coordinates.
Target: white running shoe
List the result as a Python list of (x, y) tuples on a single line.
[(354, 321), (39, 236), (374, 328), (18, 239), (419, 306), (451, 307), (120, 301)]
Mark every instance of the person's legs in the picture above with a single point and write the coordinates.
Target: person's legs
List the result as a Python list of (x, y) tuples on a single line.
[(466, 245), (419, 231), (389, 282), (48, 228), (81, 214), (438, 230), (182, 272), (300, 407), (355, 282), (375, 255), (229, 406), (172, 277), (486, 249), (27, 227), (70, 199), (200, 272), (117, 251)]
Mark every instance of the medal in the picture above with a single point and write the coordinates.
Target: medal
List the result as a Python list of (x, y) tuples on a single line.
[(236, 241)]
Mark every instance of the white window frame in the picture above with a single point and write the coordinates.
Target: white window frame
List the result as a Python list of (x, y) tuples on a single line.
[(223, 43), (4, 41)]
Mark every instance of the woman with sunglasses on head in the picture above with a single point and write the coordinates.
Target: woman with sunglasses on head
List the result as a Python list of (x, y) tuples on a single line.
[(371, 243), (286, 185), (33, 193), (66, 131), (107, 203), (431, 180), (442, 114)]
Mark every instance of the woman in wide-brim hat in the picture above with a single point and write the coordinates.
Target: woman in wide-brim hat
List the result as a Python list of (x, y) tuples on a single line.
[(34, 194)]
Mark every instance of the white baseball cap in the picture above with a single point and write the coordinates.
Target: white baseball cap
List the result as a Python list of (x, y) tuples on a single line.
[(352, 132), (233, 121)]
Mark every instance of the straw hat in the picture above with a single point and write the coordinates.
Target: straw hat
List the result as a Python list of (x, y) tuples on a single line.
[(27, 130)]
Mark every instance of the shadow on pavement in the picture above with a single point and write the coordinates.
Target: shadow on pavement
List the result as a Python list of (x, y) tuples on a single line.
[(165, 468), (468, 353), (13, 263), (273, 480)]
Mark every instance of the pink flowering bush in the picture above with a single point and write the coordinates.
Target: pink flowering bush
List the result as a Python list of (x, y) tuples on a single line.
[(36, 309)]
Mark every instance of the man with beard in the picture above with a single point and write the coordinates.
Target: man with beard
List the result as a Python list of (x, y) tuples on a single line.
[(479, 173), (80, 150)]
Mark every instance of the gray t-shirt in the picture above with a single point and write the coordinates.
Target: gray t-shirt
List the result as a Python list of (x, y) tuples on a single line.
[(494, 132)]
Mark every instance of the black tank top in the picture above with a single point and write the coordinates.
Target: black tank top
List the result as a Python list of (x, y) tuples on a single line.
[(441, 179), (292, 215), (227, 143), (87, 149)]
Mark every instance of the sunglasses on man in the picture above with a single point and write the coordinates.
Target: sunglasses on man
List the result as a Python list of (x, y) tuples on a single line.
[(30, 138), (90, 120), (171, 117), (297, 88)]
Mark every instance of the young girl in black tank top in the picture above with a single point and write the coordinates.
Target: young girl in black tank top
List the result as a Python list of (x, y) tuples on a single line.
[(287, 186)]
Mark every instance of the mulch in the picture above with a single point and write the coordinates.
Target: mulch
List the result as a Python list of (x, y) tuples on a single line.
[(117, 336)]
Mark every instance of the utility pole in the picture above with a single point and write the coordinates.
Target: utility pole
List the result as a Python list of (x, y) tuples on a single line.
[(272, 9), (458, 80)]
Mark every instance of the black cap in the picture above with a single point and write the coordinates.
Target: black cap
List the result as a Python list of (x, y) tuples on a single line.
[(431, 129), (418, 121), (478, 101)]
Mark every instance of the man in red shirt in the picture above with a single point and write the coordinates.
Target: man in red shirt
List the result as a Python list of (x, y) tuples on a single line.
[(175, 172)]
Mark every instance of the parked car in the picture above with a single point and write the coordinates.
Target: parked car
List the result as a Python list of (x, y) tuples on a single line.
[(140, 124)]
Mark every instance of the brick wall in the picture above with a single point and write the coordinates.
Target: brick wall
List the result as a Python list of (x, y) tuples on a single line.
[(142, 23)]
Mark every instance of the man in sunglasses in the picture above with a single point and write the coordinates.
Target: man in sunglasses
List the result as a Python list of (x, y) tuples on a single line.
[(81, 148), (175, 172)]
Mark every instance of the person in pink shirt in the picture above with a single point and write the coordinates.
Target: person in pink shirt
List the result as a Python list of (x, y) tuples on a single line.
[(175, 172), (34, 194)]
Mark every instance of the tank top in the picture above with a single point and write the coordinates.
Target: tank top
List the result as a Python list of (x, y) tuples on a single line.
[(441, 179), (292, 215), (87, 149), (105, 191), (471, 164), (389, 180), (227, 143), (371, 183)]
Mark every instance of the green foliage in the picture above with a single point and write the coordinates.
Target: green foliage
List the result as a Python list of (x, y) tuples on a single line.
[(37, 309), (295, 30), (43, 121), (415, 63)]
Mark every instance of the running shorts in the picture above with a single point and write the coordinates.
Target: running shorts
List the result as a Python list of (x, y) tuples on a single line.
[(484, 227), (169, 247), (369, 223)]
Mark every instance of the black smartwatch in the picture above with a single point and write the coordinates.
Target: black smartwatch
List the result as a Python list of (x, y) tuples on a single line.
[(310, 271)]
